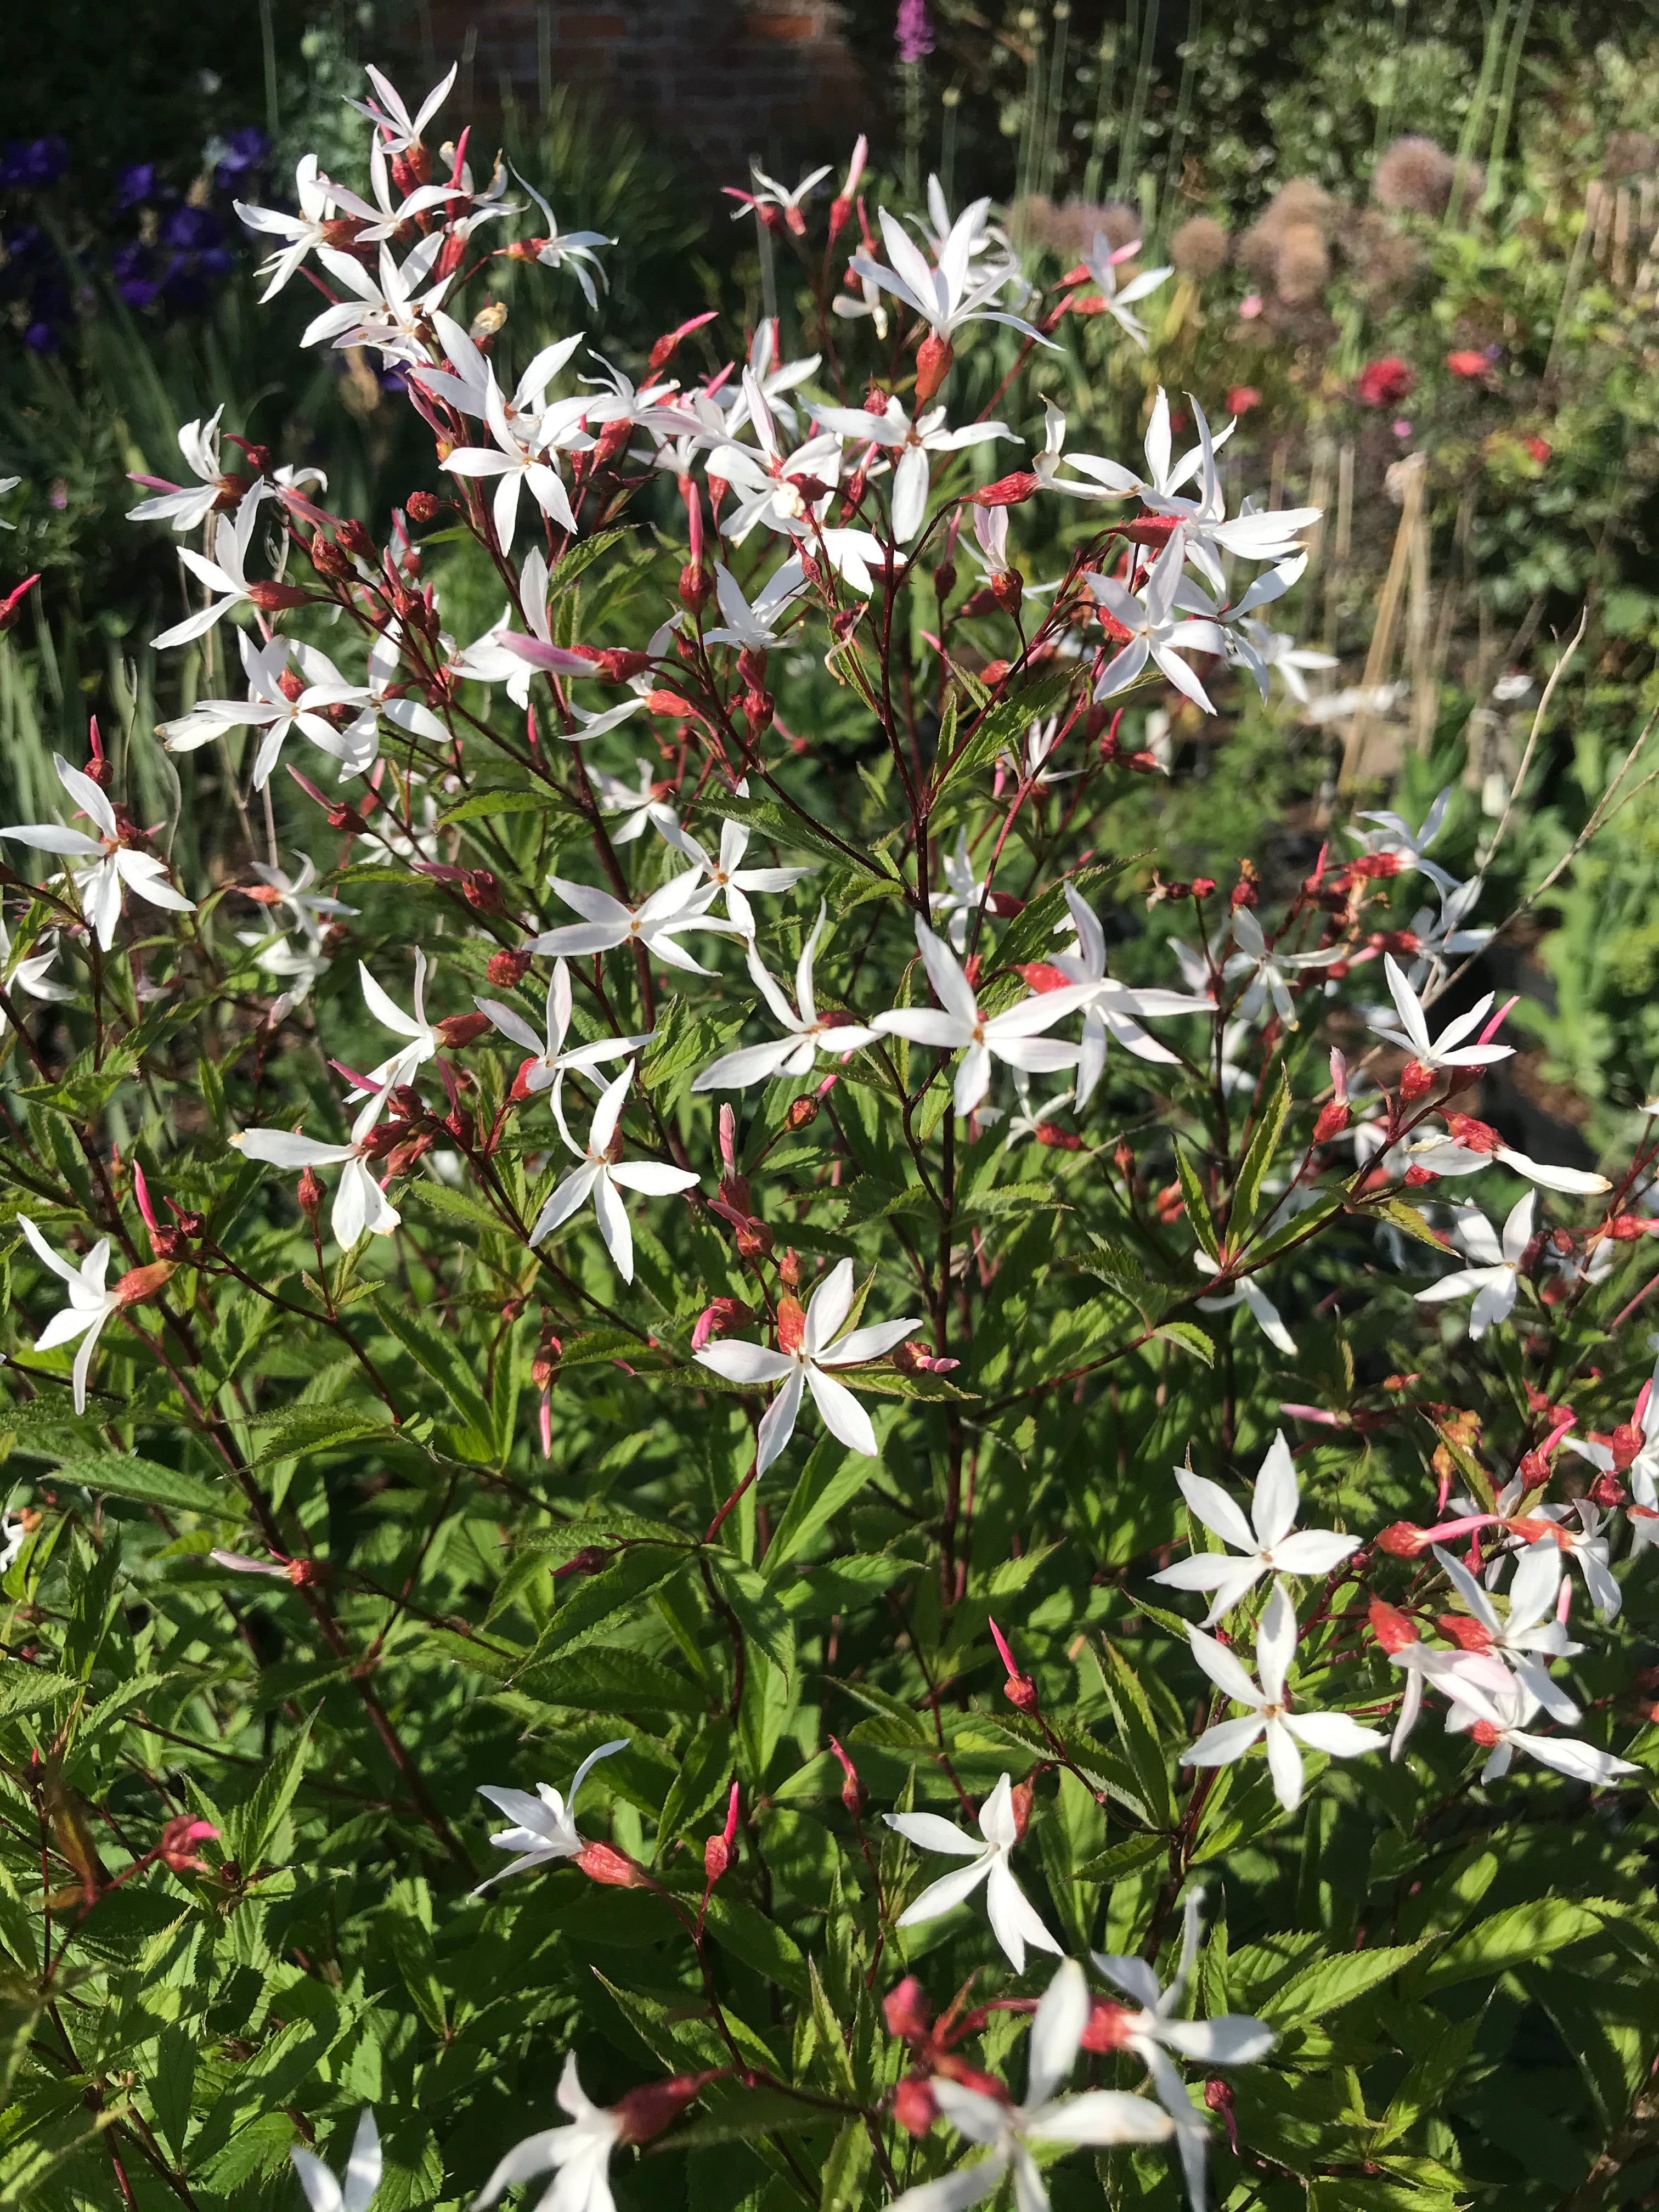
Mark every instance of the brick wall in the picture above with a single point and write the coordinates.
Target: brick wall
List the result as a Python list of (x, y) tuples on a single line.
[(717, 80)]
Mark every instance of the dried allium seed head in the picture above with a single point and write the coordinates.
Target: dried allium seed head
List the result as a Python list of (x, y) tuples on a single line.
[(1301, 265), (1416, 174), (1199, 248)]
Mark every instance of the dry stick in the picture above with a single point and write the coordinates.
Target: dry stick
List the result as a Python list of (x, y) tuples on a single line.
[(1571, 283), (1382, 646), (1605, 811), (1555, 675)]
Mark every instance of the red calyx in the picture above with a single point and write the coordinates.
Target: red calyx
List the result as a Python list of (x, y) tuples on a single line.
[(1416, 1082), (1333, 1119), (506, 969), (852, 1792), (934, 358), (914, 2105), (1401, 1540), (1391, 1628), (272, 598), (646, 2111), (1011, 491), (1467, 1634), (603, 1863)]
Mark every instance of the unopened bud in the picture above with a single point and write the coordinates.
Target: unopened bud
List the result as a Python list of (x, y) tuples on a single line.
[(1008, 590), (12, 605), (176, 1848), (695, 586), (905, 2007), (852, 1791), (1021, 1799), (1333, 1119), (802, 1112), (310, 1193)]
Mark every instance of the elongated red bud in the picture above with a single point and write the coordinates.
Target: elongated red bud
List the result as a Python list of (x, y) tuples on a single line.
[(852, 1790), (905, 2007), (177, 1847), (1334, 1118)]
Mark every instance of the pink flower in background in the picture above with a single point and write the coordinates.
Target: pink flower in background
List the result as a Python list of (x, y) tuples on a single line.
[(912, 32)]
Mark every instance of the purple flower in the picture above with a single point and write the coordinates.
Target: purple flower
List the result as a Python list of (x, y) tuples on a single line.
[(242, 150), (135, 186), (40, 337), (192, 230), (912, 32), (40, 161)]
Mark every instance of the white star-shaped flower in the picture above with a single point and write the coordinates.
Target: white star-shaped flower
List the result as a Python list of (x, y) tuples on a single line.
[(1270, 1541), (1014, 1922)]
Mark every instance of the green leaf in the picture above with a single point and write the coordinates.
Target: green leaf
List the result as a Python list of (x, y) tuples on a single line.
[(255, 1824), (759, 1613), (1198, 1210), (616, 1594), (1258, 1159), (1406, 1220), (845, 2169), (999, 730), (1516, 1937), (1137, 1726), (757, 1941), (482, 806), (126, 1475), (1332, 1983), (1425, 2088), (1188, 1337), (441, 1360)]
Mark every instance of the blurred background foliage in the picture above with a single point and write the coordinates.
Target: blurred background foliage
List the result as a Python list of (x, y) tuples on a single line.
[(1414, 249)]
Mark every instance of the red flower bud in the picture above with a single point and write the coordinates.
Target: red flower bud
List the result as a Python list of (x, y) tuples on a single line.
[(176, 1849), (1333, 1119), (12, 605), (905, 2007), (310, 1193), (695, 586), (852, 1790)]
